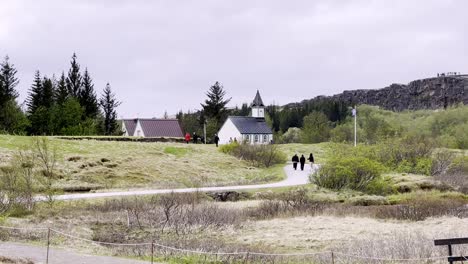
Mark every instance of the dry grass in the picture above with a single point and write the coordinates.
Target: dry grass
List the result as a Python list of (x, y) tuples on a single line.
[(5, 260), (86, 165)]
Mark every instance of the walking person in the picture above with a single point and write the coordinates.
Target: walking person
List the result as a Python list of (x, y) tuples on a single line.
[(187, 137), (295, 160), (216, 139), (195, 138), (311, 160), (302, 160)]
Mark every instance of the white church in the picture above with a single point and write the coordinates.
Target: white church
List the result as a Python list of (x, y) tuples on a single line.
[(249, 129)]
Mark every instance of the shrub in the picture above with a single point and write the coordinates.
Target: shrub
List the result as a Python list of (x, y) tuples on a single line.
[(257, 155), (422, 206), (355, 173), (228, 148), (456, 174), (293, 135), (368, 200)]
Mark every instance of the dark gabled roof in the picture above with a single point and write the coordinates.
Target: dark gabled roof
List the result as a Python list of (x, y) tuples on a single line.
[(250, 125), (130, 125), (257, 100), (161, 128)]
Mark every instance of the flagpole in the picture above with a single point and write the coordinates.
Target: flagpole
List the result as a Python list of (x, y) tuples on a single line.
[(355, 126)]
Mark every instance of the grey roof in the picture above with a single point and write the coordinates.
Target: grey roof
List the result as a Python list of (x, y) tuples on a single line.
[(250, 125), (257, 100), (161, 127), (154, 127), (130, 125)]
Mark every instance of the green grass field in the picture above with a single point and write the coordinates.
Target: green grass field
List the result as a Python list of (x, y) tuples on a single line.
[(122, 165)]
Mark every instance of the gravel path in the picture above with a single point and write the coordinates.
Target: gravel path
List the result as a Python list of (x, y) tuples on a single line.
[(293, 178), (37, 255)]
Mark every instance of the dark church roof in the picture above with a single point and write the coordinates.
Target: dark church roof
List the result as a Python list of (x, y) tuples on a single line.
[(155, 127), (130, 125), (251, 125), (257, 100)]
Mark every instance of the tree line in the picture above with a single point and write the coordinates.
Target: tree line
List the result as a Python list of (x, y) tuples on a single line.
[(68, 105)]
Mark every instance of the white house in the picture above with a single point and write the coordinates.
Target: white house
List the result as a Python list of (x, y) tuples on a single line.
[(146, 127), (251, 129)]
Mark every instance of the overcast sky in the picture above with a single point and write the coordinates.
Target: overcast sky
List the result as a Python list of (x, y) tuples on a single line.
[(164, 55)]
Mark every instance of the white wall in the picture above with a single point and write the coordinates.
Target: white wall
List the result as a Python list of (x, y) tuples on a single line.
[(258, 112), (124, 129), (138, 130), (228, 130), (261, 140)]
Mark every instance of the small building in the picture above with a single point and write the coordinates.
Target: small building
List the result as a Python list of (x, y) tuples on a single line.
[(250, 129), (145, 127)]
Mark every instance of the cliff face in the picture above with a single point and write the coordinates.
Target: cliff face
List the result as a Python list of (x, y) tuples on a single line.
[(429, 93)]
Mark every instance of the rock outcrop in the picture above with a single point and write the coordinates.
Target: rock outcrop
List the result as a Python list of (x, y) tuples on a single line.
[(431, 93)]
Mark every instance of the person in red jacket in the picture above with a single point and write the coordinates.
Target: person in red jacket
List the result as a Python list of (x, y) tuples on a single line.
[(187, 137)]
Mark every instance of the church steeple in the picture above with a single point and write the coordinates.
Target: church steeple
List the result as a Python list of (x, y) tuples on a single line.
[(258, 108)]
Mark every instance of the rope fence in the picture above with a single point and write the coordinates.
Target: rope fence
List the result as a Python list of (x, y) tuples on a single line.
[(152, 250)]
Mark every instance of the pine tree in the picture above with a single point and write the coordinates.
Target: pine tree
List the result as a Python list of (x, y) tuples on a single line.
[(215, 105), (87, 97), (61, 93), (74, 79), (36, 94), (8, 82), (109, 103), (48, 93)]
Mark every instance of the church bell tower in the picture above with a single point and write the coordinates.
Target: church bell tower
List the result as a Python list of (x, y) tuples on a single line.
[(258, 108)]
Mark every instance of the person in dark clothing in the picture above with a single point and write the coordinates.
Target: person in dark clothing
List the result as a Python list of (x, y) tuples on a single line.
[(295, 160), (302, 160), (195, 138), (216, 139), (311, 159)]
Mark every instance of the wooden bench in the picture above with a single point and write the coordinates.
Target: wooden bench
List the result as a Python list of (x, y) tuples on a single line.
[(449, 242)]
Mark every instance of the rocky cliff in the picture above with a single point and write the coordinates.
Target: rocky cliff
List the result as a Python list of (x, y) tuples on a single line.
[(431, 93)]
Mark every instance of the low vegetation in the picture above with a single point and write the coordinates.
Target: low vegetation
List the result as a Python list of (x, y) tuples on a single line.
[(89, 165), (264, 155)]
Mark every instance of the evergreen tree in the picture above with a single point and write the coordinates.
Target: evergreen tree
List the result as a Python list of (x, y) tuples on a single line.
[(109, 104), (87, 97), (8, 82), (215, 106), (61, 93), (36, 93), (48, 93), (74, 79)]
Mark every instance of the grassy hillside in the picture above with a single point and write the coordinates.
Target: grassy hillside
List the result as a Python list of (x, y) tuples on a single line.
[(101, 164)]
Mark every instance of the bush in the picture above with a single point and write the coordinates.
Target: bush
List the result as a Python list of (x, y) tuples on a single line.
[(293, 135), (422, 206), (355, 173), (456, 174), (257, 155), (228, 148), (368, 200)]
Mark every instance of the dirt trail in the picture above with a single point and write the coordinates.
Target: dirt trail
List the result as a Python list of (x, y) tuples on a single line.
[(293, 178), (37, 254)]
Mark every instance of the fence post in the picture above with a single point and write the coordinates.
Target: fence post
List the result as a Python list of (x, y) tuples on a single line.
[(333, 258), (48, 245), (152, 252), (247, 257)]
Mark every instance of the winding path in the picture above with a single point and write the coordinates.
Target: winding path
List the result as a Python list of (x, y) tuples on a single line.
[(293, 178)]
